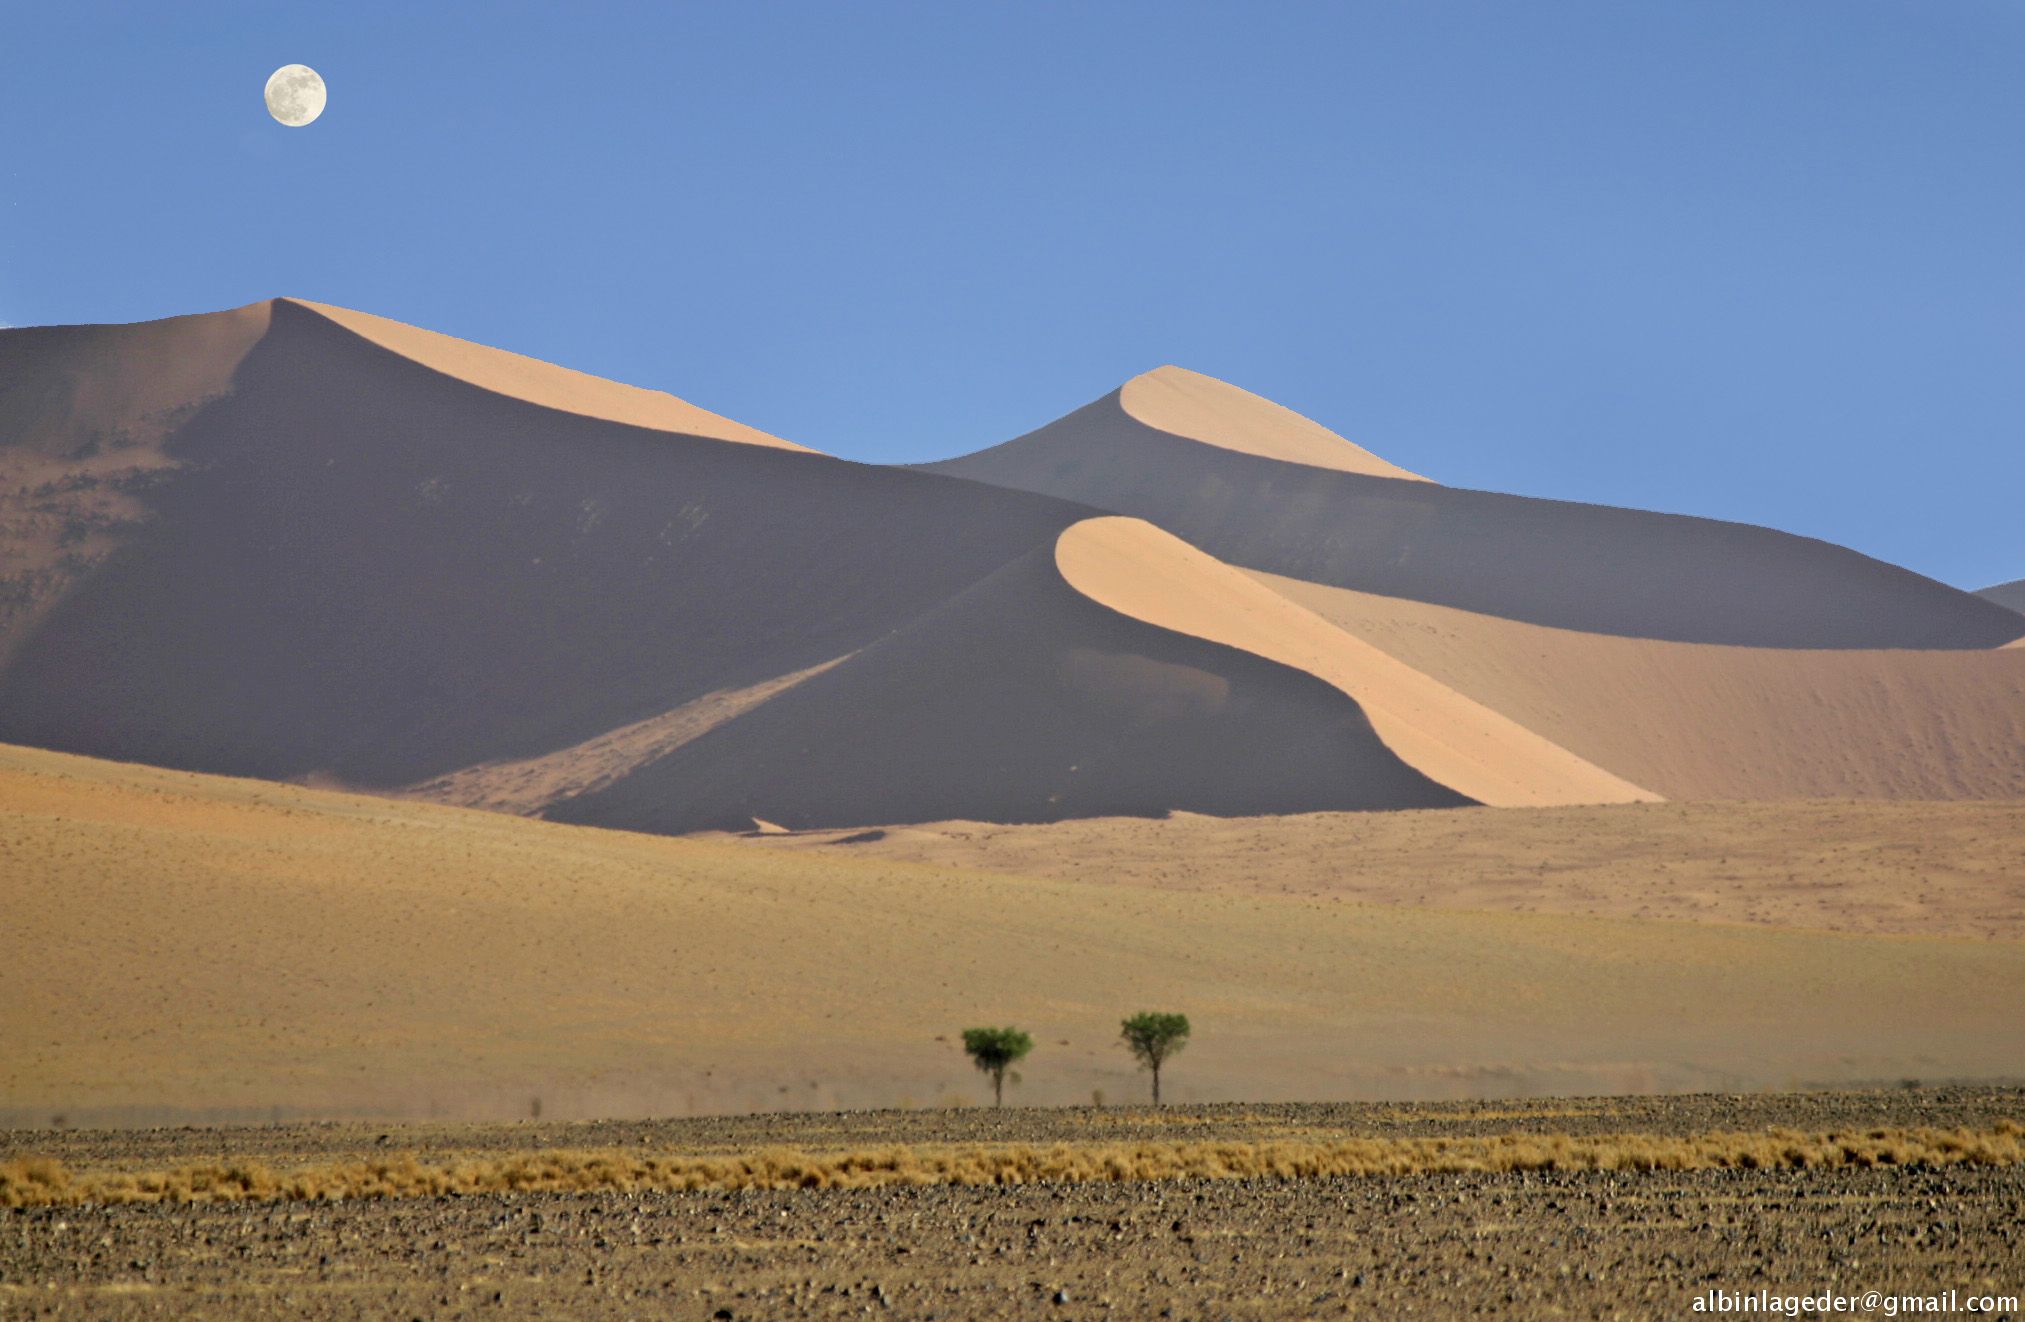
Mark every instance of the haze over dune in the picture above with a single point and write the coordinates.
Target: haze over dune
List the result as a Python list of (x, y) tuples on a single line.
[(189, 947), (1584, 567)]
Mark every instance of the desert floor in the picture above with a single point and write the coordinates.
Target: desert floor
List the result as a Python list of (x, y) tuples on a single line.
[(1570, 1243), (1868, 866), (191, 948)]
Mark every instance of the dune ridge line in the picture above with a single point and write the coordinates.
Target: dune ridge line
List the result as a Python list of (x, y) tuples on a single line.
[(534, 381)]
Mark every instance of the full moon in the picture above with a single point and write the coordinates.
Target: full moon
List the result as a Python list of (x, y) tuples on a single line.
[(295, 94)]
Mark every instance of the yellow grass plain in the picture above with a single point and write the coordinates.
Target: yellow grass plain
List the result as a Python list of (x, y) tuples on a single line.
[(41, 1182), (183, 946)]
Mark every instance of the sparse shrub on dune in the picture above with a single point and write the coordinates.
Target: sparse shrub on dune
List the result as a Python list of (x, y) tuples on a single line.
[(38, 1182)]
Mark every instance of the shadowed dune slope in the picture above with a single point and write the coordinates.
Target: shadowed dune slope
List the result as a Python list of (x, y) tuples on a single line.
[(84, 411), (1026, 701), (1585, 567), (1143, 572), (1696, 721), (176, 947), (348, 563), (2008, 595)]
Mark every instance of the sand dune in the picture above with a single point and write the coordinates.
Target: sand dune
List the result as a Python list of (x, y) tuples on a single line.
[(310, 544), (370, 556), (1695, 721), (353, 565), (1202, 408), (1140, 571), (2009, 595), (179, 946), (1026, 700), (1573, 566)]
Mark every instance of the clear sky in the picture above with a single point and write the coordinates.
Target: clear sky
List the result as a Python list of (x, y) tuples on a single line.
[(1754, 259)]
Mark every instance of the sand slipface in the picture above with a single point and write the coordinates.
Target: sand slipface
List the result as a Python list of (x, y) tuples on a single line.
[(1202, 408), (1140, 571)]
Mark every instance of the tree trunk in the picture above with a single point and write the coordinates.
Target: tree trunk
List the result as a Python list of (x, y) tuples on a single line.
[(1156, 1085), (998, 1088)]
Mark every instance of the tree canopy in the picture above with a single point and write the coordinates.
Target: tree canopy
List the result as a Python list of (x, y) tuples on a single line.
[(1153, 1037), (993, 1051)]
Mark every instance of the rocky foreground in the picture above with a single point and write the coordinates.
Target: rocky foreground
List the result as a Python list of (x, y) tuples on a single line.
[(1535, 1242)]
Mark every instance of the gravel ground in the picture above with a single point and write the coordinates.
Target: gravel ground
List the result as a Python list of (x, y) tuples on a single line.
[(1562, 1244)]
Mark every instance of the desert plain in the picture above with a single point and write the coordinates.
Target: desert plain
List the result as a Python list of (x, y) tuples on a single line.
[(1593, 1207)]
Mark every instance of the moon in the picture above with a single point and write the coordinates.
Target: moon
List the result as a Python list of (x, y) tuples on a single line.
[(295, 95)]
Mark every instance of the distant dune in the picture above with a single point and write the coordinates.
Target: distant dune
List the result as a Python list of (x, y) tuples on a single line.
[(2009, 595), (183, 947), (1584, 567)]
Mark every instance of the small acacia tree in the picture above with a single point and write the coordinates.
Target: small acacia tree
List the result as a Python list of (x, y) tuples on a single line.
[(1152, 1038), (994, 1051)]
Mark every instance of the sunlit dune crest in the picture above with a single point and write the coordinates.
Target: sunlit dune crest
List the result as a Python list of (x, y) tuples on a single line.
[(1202, 408)]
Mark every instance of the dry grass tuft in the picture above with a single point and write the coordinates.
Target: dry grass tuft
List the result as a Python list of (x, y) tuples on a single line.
[(38, 1182)]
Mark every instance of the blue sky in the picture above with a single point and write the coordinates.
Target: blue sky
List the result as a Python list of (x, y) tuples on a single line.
[(1754, 259)]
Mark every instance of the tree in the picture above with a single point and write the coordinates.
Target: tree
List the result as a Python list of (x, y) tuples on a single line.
[(1152, 1038), (994, 1050)]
